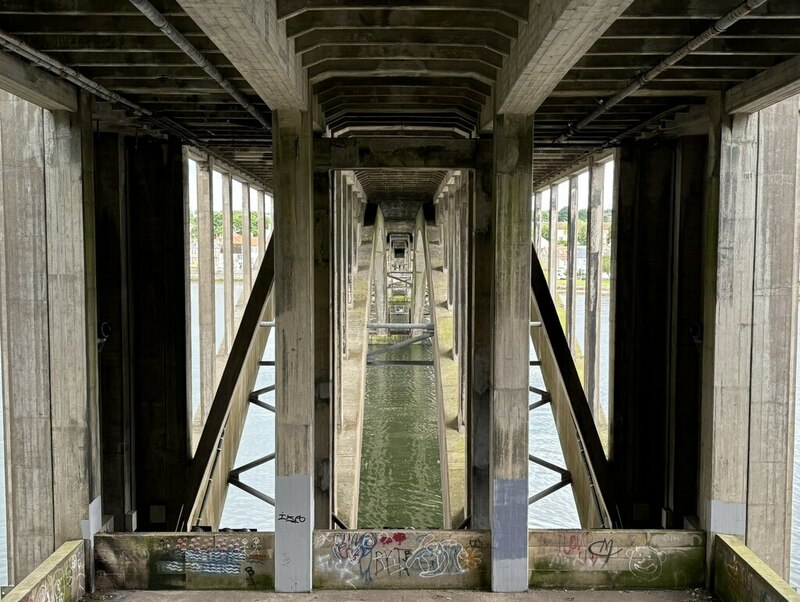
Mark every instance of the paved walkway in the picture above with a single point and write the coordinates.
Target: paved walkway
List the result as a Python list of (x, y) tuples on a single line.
[(408, 596)]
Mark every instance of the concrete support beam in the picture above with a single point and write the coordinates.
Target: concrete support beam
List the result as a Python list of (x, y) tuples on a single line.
[(558, 33), (379, 268), (572, 260), (552, 255), (252, 38), (537, 221), (482, 274), (22, 79), (463, 314), (247, 251), (262, 229), (513, 156), (72, 303), (594, 283), (765, 89), (323, 320), (294, 317), (206, 297), (419, 276), (227, 257)]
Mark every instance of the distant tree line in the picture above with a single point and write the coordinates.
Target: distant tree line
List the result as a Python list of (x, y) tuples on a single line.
[(563, 217), (219, 224)]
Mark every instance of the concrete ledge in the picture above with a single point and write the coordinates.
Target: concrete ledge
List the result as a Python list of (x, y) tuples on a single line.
[(401, 559), (616, 559), (741, 576), (185, 561), (61, 577)]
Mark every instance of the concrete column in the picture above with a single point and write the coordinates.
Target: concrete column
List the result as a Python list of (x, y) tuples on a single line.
[(513, 156), (463, 319), (552, 250), (25, 353), (294, 317), (47, 310), (572, 260), (262, 230), (113, 301), (482, 269), (594, 283), (323, 318), (347, 216), (379, 268), (247, 261), (419, 276), (537, 221), (206, 295), (227, 257)]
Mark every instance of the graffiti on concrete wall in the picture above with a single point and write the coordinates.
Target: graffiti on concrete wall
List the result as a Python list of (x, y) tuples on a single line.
[(185, 561), (608, 558), (400, 558), (64, 583)]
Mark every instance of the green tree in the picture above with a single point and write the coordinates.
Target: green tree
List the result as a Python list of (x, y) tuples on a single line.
[(581, 231), (606, 264), (563, 215), (546, 230)]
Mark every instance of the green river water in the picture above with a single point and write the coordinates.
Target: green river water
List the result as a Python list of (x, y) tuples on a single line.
[(401, 483)]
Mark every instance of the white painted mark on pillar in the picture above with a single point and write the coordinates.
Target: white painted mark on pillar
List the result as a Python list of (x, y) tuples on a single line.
[(294, 529)]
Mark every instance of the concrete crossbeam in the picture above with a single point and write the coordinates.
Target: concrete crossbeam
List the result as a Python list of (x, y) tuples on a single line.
[(34, 85), (767, 88), (252, 38), (556, 36)]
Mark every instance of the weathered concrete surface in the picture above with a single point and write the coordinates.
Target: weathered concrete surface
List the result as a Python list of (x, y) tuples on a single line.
[(594, 286), (206, 296), (552, 243), (741, 576), (401, 559), (168, 561), (610, 559), (348, 443), (294, 372), (513, 150), (455, 441), (61, 577)]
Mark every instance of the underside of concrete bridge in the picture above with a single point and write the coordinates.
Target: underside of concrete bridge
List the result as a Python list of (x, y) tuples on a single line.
[(183, 181)]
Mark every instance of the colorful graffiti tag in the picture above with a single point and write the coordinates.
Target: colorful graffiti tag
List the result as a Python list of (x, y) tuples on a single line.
[(394, 558)]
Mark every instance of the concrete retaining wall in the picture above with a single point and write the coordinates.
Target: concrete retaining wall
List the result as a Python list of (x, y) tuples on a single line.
[(404, 559), (741, 576), (61, 577), (611, 559), (164, 561)]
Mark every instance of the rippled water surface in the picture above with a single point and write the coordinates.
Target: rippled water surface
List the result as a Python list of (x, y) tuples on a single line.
[(401, 483)]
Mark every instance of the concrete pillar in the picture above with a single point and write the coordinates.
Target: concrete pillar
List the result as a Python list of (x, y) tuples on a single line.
[(262, 230), (47, 310), (513, 156), (750, 335), (452, 253), (114, 309), (323, 318), (594, 284), (159, 297), (247, 256), (25, 325), (463, 315), (552, 249), (227, 257), (537, 221), (294, 317), (482, 273), (205, 283), (379, 268), (419, 276), (572, 260)]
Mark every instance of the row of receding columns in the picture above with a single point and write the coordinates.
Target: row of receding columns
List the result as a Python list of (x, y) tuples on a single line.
[(593, 273), (497, 267), (211, 353), (454, 202)]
